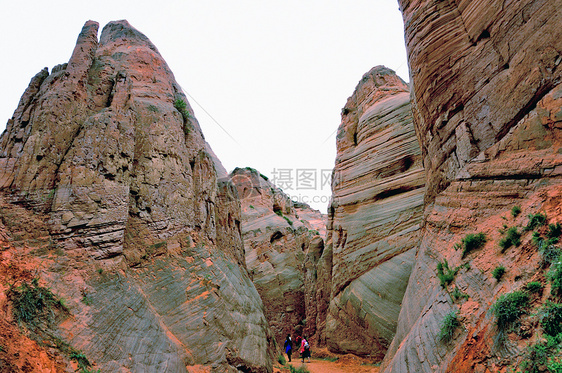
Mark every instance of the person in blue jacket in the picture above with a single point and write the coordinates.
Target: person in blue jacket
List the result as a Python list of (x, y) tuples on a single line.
[(288, 346)]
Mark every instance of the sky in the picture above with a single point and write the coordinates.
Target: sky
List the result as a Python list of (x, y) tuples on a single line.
[(267, 79)]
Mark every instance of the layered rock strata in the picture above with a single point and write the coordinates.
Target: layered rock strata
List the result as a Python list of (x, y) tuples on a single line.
[(282, 241), (108, 149), (375, 215), (487, 105)]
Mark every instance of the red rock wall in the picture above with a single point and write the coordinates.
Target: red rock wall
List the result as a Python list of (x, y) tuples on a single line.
[(283, 242), (375, 215), (487, 108), (134, 207)]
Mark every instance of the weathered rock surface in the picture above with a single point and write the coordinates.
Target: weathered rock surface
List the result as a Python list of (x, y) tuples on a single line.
[(487, 105), (134, 208), (375, 215), (283, 241)]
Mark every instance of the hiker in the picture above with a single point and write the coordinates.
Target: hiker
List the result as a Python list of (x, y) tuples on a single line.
[(288, 346), (305, 349)]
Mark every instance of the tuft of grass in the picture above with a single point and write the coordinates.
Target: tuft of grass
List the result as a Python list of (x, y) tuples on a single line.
[(281, 359), (554, 230), (472, 242), (555, 277), (515, 210), (498, 272), (445, 274), (535, 221), (534, 287), (100, 270), (252, 207), (448, 326), (80, 359), (509, 307), (86, 300), (264, 177), (543, 355), (512, 238), (301, 369), (2, 348), (34, 303), (181, 106), (551, 318), (457, 294), (547, 249)]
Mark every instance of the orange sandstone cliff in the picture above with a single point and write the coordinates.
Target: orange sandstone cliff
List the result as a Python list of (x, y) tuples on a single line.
[(283, 241), (375, 215), (487, 107), (131, 226)]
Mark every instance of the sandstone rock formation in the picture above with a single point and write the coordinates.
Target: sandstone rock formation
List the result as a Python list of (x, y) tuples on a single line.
[(283, 241), (487, 105), (375, 215), (106, 150)]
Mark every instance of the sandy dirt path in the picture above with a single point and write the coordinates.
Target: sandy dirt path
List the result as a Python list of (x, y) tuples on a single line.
[(325, 366)]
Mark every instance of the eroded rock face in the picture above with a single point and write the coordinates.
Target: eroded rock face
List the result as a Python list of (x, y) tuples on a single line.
[(283, 241), (487, 106), (375, 215), (104, 148)]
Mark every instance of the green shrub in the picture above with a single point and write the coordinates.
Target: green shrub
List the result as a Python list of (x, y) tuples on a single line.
[(512, 238), (509, 307), (457, 294), (33, 303), (472, 242), (448, 326), (547, 249), (252, 207), (554, 367), (80, 359), (301, 369), (181, 106), (551, 319), (264, 177), (543, 354), (498, 272), (537, 240), (515, 210), (535, 358), (555, 277), (281, 359), (445, 274), (289, 221), (550, 253), (535, 220), (534, 287), (554, 230)]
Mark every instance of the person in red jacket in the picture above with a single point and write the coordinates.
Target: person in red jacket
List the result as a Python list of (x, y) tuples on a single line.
[(305, 350)]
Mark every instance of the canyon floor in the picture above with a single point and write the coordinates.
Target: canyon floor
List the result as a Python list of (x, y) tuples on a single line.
[(325, 362)]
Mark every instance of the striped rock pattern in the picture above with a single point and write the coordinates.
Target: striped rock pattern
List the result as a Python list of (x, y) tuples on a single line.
[(144, 228), (487, 106), (282, 241), (375, 215)]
